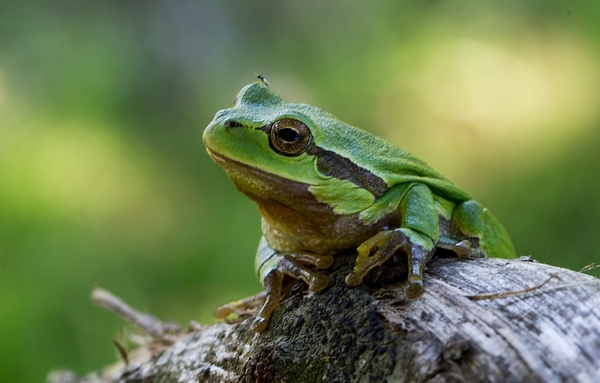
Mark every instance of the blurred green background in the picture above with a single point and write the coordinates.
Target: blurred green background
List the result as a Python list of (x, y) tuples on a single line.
[(104, 179)]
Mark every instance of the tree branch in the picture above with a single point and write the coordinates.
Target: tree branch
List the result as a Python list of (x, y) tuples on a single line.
[(373, 332)]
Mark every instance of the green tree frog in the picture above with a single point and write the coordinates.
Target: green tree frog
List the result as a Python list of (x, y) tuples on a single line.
[(323, 186)]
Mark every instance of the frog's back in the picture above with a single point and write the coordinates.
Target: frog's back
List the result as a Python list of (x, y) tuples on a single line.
[(389, 162)]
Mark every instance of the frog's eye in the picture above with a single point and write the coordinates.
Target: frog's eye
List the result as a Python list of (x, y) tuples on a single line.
[(289, 137)]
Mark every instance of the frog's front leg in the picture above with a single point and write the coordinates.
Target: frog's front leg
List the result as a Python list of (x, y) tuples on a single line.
[(416, 235), (272, 283), (271, 268), (291, 265)]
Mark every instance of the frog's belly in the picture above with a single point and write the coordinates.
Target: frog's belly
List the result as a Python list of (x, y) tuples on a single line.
[(325, 234), (293, 220)]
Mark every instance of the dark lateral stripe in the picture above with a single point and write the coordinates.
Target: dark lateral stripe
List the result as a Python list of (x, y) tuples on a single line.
[(334, 165)]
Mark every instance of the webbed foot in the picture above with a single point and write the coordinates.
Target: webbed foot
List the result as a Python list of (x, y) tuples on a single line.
[(386, 243)]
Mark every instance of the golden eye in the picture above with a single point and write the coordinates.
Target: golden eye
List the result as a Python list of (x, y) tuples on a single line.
[(289, 137)]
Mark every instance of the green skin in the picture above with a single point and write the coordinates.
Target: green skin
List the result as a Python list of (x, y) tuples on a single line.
[(323, 186)]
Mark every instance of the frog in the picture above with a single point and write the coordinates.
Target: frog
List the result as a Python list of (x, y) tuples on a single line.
[(324, 187)]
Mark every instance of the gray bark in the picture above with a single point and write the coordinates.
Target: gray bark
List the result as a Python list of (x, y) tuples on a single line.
[(373, 333)]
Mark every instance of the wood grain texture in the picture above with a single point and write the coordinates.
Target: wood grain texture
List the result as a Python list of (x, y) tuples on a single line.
[(373, 333)]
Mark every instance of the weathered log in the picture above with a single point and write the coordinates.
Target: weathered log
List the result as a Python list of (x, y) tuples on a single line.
[(372, 333)]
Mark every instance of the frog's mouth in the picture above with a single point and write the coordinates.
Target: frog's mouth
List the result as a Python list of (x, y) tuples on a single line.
[(231, 165), (219, 159)]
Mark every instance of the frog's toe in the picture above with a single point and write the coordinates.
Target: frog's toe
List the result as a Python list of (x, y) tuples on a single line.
[(462, 248), (373, 243), (259, 324), (240, 307), (318, 282), (414, 288), (224, 311), (324, 262), (353, 279)]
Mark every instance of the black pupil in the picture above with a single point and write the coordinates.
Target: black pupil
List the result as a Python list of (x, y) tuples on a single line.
[(288, 134)]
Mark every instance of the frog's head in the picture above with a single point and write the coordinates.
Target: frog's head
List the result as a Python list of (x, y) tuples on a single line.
[(260, 130), (290, 153)]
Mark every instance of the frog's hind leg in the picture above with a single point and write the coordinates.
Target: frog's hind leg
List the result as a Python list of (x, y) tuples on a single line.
[(474, 220), (291, 265)]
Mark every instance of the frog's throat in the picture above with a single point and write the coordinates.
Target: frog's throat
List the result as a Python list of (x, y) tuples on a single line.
[(262, 187)]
